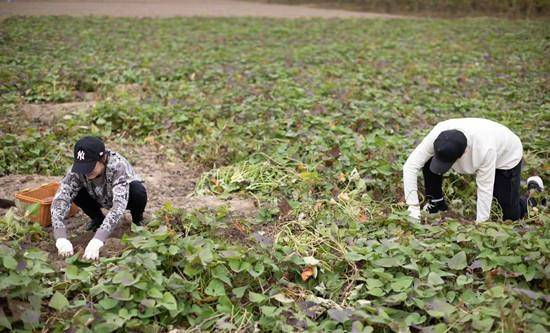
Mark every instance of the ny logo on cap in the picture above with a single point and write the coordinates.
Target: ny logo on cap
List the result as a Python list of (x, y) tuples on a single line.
[(80, 155)]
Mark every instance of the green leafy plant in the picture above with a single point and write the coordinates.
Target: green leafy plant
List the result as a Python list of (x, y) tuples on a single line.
[(314, 120)]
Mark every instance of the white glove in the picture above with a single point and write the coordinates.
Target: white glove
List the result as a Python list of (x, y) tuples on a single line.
[(92, 250), (414, 212), (64, 247)]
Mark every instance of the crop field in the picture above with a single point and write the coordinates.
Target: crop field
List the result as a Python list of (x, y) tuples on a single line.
[(272, 150)]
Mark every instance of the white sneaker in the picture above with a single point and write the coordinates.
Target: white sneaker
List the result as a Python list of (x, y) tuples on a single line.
[(535, 182), (535, 188)]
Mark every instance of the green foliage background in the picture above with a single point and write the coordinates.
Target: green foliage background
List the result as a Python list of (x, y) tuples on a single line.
[(314, 119)]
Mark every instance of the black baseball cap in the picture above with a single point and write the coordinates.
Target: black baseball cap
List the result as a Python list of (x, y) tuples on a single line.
[(449, 147), (87, 151)]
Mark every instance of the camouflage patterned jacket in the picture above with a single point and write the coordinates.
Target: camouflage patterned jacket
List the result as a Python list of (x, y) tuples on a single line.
[(110, 191)]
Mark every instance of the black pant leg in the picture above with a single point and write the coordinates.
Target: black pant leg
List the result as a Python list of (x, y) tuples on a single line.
[(88, 205), (506, 191), (137, 200), (433, 183)]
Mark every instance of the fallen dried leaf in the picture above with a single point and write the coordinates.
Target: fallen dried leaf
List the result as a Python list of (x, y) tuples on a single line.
[(307, 273)]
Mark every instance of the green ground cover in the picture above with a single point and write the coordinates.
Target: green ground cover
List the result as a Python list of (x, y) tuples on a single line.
[(313, 119)]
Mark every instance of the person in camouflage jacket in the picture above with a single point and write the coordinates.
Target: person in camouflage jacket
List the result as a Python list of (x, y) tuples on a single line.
[(99, 178)]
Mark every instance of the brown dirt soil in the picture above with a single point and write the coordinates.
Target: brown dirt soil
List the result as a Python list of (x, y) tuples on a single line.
[(167, 179), (171, 180), (171, 8), (50, 113)]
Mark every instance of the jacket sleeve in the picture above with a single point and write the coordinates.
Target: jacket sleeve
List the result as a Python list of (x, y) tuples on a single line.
[(62, 201), (485, 180), (121, 189), (422, 153)]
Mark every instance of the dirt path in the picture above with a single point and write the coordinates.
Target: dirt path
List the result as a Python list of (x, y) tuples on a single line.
[(170, 8)]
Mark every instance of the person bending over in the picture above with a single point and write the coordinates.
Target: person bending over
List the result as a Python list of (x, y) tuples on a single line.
[(99, 178), (469, 146)]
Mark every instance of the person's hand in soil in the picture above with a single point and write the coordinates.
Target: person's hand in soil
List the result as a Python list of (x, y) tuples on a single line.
[(92, 250), (64, 247)]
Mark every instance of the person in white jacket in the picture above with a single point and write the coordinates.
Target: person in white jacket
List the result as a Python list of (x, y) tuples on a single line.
[(469, 146)]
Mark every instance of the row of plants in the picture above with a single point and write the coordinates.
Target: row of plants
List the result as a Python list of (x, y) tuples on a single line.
[(180, 272)]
